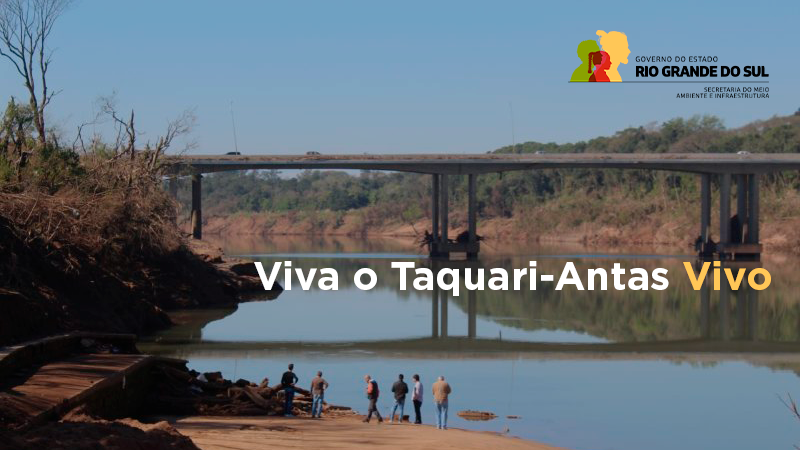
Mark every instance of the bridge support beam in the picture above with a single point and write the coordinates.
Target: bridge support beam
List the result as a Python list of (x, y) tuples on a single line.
[(741, 205), (724, 311), (705, 305), (435, 211), (738, 235), (172, 187), (197, 215), (443, 327), (752, 312), (435, 311), (439, 242), (725, 209), (705, 213), (445, 210), (472, 252), (752, 209), (472, 314)]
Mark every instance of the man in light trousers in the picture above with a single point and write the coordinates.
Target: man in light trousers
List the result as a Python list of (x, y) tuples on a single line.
[(318, 386)]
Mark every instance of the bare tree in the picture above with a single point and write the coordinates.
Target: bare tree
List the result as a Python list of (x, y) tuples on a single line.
[(25, 26), (124, 146), (180, 126), (125, 141)]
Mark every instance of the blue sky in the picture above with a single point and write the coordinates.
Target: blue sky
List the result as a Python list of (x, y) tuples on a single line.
[(399, 77)]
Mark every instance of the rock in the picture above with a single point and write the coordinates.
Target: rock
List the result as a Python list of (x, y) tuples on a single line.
[(244, 268), (476, 415), (213, 376)]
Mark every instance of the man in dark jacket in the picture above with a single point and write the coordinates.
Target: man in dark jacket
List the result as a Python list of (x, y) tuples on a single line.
[(372, 395), (287, 381), (400, 389)]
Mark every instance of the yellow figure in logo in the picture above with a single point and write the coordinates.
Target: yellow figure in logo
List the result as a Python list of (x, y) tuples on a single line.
[(616, 45), (584, 49)]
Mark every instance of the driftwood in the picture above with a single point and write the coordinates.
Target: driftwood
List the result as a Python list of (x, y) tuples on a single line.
[(254, 396), (181, 390)]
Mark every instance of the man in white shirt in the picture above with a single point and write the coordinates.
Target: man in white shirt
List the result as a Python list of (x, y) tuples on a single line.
[(417, 398)]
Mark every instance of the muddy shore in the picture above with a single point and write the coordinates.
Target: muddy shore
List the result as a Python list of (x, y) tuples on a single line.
[(279, 433)]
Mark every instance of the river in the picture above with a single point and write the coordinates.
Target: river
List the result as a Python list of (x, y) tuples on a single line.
[(618, 370)]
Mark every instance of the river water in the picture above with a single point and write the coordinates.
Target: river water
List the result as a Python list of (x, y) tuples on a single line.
[(622, 370)]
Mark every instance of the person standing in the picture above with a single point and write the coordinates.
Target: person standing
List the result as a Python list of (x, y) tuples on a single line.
[(400, 389), (372, 394), (318, 386), (441, 393), (287, 381), (416, 397)]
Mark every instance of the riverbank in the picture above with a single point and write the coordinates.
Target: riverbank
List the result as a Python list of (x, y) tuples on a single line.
[(628, 225), (280, 433), (80, 391), (54, 287)]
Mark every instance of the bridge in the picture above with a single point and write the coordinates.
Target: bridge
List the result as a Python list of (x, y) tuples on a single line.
[(738, 235)]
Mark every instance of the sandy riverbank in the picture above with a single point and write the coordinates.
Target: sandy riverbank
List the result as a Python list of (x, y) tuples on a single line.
[(279, 433), (649, 233)]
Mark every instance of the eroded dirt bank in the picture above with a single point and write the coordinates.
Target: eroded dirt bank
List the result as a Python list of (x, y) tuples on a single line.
[(46, 291), (81, 393), (781, 236)]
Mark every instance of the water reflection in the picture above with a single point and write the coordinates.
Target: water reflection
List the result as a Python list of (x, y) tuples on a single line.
[(583, 369), (677, 319)]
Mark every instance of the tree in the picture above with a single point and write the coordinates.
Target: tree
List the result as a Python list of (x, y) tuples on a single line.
[(25, 26)]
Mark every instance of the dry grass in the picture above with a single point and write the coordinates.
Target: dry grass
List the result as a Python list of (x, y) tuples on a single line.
[(115, 210)]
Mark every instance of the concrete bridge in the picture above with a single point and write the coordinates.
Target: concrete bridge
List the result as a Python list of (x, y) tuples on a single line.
[(738, 235)]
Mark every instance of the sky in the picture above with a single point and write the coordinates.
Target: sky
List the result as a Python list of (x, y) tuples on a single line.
[(399, 77)]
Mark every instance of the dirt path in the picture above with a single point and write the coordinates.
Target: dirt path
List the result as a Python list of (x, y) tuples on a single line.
[(253, 433)]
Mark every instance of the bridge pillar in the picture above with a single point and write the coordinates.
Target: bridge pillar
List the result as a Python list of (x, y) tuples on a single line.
[(172, 187), (435, 211), (705, 306), (752, 312), (705, 212), (741, 205), (737, 241), (435, 311), (197, 216), (443, 326), (724, 211), (724, 311), (752, 209), (472, 216), (445, 212), (472, 314), (741, 312)]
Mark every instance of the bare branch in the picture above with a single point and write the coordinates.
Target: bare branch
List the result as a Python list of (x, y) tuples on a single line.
[(181, 126), (25, 26)]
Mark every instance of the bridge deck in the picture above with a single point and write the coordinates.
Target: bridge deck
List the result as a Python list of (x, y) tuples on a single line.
[(485, 163)]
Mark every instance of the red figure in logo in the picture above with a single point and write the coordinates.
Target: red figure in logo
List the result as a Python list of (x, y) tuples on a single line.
[(602, 62)]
